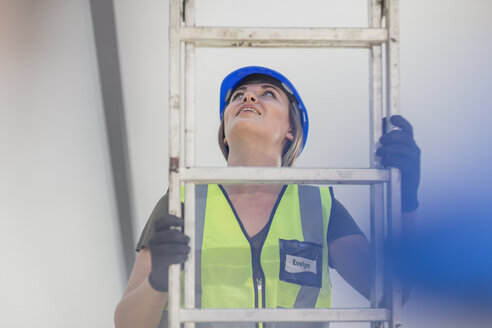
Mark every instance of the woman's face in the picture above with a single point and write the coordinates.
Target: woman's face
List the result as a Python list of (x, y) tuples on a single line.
[(260, 113)]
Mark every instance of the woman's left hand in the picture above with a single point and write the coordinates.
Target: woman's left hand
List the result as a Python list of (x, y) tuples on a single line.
[(399, 150)]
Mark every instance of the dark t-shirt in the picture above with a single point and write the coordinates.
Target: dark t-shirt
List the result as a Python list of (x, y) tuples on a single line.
[(341, 224)]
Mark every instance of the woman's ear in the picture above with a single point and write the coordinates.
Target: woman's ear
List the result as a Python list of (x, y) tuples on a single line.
[(289, 135), (225, 141)]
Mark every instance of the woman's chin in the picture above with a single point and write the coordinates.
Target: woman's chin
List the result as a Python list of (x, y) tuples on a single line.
[(247, 125)]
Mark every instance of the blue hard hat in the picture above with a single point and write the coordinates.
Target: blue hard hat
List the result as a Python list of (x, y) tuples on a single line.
[(233, 80)]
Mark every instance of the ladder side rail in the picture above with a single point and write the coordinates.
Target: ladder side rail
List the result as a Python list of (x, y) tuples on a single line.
[(394, 188), (174, 150), (190, 127), (189, 267), (375, 9), (394, 233)]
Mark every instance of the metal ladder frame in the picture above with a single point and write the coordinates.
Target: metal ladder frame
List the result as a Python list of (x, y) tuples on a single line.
[(182, 30)]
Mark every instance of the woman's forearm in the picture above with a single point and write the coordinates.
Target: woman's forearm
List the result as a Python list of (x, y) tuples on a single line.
[(142, 307)]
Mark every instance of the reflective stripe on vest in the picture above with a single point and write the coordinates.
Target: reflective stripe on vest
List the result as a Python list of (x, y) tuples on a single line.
[(224, 271)]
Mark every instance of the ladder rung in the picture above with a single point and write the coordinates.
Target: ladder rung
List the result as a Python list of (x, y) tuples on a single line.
[(283, 37), (283, 315), (268, 175)]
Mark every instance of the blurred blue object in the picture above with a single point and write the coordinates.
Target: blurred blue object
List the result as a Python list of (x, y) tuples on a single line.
[(450, 256)]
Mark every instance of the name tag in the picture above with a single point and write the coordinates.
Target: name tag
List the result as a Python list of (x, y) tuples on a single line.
[(301, 262), (296, 264)]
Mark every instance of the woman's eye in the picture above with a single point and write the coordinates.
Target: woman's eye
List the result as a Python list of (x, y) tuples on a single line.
[(237, 95), (269, 93)]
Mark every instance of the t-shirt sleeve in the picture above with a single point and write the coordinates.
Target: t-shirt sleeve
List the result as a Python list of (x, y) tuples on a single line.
[(161, 208), (341, 224), (148, 231)]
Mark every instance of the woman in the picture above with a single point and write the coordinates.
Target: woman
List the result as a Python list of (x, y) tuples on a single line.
[(263, 245)]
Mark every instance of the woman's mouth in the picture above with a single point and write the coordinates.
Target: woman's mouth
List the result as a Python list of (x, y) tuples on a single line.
[(249, 109)]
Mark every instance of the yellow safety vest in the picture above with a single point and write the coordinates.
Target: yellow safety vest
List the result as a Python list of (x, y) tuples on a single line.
[(294, 256)]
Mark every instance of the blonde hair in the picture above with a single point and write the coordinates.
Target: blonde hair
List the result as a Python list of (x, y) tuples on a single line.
[(291, 150)]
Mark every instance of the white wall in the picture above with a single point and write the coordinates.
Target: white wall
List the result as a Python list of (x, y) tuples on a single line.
[(56, 197), (61, 261)]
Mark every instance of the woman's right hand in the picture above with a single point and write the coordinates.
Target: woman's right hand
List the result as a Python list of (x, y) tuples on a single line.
[(167, 246)]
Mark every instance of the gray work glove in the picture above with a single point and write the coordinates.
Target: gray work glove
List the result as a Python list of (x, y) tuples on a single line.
[(398, 149), (167, 246)]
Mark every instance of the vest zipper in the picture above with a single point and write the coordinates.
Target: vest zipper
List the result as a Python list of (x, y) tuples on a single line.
[(259, 289)]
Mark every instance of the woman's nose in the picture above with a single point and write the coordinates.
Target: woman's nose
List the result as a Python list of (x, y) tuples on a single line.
[(249, 97)]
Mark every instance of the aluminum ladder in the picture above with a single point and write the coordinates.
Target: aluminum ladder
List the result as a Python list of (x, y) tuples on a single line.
[(182, 29)]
